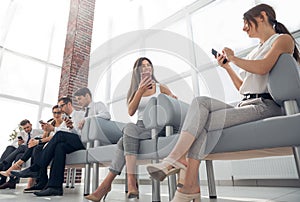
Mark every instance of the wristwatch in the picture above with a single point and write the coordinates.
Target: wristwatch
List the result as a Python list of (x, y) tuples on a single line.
[(40, 141)]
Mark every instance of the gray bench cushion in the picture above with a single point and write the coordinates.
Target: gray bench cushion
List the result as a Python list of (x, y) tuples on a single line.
[(106, 153), (106, 131)]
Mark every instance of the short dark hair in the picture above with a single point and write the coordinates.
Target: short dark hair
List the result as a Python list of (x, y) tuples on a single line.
[(24, 122), (65, 99), (83, 92)]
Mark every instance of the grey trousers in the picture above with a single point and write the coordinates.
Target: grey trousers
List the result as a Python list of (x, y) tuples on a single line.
[(129, 144), (208, 114)]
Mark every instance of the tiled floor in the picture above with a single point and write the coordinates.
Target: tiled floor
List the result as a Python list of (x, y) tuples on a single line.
[(225, 194)]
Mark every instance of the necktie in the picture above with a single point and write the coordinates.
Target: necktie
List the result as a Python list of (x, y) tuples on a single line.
[(86, 112), (29, 137)]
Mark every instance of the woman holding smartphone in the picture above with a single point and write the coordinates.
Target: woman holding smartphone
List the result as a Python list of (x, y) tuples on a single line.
[(143, 87), (207, 114)]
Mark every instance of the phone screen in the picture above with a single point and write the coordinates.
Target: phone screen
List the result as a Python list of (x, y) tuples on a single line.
[(145, 74)]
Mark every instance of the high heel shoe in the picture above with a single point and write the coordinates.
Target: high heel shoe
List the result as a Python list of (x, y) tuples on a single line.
[(92, 197), (133, 194), (181, 197), (181, 178), (161, 170), (15, 166)]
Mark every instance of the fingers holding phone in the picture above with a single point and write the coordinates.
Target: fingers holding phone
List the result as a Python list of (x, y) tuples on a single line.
[(68, 121), (146, 81), (20, 140)]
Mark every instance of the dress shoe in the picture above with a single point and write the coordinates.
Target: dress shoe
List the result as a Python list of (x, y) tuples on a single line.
[(34, 188), (25, 173), (50, 191), (9, 185)]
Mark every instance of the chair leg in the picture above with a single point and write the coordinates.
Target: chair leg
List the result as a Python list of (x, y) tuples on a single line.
[(211, 179), (73, 178), (87, 179), (296, 151), (68, 177), (95, 180)]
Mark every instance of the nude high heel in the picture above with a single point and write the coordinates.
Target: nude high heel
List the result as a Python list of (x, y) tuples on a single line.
[(181, 178), (15, 166), (133, 194), (161, 170), (92, 197), (181, 197)]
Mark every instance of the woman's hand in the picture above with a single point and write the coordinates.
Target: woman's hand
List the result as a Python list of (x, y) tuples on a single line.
[(47, 127), (227, 53), (145, 84), (32, 142)]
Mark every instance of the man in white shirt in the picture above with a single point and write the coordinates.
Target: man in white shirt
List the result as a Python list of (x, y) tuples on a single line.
[(62, 143), (14, 151), (91, 109)]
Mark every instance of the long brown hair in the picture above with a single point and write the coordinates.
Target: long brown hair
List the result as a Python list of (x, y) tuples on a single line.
[(279, 28), (136, 78)]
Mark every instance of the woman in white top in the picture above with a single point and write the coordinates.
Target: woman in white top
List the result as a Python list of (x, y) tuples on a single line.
[(207, 114), (143, 87)]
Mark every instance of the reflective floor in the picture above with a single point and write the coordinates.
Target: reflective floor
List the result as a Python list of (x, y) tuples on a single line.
[(225, 194)]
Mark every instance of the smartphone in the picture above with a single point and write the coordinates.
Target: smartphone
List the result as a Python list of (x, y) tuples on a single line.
[(41, 122), (215, 53), (144, 75), (65, 116)]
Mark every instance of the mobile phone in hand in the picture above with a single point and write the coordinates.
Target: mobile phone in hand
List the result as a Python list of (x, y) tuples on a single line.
[(215, 53), (65, 117), (144, 75), (41, 122)]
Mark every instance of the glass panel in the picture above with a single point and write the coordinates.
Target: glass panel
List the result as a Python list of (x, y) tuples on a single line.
[(286, 12), (179, 27), (10, 120), (215, 27), (183, 89), (167, 65), (110, 21), (4, 18), (47, 113), (32, 26), (121, 74), (21, 77), (60, 22), (119, 112), (52, 85)]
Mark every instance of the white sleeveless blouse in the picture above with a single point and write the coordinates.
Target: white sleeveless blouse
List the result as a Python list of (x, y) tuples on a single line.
[(145, 100), (254, 83)]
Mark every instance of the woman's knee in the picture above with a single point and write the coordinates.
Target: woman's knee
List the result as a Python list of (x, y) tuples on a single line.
[(130, 129)]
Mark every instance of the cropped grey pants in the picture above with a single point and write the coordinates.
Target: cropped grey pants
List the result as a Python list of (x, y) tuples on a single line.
[(129, 144), (208, 114)]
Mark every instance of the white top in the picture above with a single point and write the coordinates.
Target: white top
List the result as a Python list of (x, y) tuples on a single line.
[(76, 117), (254, 83), (98, 109), (33, 133), (144, 100)]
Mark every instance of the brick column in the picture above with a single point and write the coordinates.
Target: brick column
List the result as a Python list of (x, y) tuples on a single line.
[(75, 68)]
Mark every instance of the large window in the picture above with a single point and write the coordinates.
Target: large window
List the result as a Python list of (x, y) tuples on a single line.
[(32, 40)]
